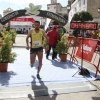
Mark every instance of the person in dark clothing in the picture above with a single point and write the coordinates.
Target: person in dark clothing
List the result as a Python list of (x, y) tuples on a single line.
[(76, 33), (53, 36), (88, 34)]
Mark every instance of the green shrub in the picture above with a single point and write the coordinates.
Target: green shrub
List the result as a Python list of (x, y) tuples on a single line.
[(62, 46), (6, 54)]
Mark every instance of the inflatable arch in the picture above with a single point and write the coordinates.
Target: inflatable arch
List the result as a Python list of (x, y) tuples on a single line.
[(34, 10)]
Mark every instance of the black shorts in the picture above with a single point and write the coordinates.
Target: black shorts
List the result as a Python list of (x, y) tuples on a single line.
[(36, 50)]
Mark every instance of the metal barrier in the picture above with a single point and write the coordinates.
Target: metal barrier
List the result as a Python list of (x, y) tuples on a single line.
[(89, 51)]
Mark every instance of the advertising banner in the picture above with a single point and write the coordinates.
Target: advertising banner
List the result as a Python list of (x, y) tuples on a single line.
[(88, 49), (70, 38), (23, 20)]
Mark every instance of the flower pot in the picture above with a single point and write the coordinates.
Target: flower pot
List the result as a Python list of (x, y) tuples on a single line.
[(63, 57), (0, 44), (3, 67), (14, 41)]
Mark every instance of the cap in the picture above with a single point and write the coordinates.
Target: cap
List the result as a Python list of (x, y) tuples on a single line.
[(55, 27)]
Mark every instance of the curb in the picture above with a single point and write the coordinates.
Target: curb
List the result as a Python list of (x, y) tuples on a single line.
[(19, 46)]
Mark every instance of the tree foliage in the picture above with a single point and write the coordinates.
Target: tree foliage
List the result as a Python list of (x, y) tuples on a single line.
[(65, 16), (55, 23), (6, 54), (82, 16)]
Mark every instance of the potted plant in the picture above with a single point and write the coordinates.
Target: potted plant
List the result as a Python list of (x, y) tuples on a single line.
[(62, 48), (6, 54), (12, 32), (0, 41)]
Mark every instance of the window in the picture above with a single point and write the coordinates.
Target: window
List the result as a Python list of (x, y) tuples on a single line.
[(83, 2), (79, 3), (75, 10)]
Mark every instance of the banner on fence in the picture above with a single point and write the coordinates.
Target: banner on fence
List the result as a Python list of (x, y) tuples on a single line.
[(70, 38), (89, 47)]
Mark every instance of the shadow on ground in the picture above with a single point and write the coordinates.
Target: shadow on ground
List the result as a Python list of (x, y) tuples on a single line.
[(5, 77), (96, 98), (40, 90)]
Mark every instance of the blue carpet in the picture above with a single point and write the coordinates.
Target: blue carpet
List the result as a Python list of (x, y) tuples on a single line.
[(21, 74)]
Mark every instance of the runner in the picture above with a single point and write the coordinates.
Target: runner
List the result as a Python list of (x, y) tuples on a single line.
[(36, 48)]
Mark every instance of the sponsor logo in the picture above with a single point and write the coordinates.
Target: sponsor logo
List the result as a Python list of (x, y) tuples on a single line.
[(33, 10), (54, 16), (9, 16), (87, 48)]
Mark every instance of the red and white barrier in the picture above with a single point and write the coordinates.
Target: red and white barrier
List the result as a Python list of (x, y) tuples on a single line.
[(89, 48)]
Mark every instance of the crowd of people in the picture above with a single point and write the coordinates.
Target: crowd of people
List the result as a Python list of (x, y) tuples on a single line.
[(22, 30), (94, 34)]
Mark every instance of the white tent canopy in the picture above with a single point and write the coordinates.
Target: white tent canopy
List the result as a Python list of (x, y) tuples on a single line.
[(20, 23)]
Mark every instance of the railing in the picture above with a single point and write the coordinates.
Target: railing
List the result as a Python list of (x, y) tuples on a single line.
[(91, 48)]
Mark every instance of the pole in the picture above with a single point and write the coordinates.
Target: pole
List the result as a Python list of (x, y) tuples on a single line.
[(82, 51)]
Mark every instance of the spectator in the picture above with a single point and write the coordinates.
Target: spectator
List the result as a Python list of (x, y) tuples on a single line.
[(53, 36), (88, 34), (82, 33), (60, 31), (76, 33)]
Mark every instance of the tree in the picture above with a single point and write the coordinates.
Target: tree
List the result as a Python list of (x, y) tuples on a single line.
[(55, 23), (82, 16), (76, 17), (65, 16)]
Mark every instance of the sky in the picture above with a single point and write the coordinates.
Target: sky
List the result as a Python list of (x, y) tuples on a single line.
[(21, 4)]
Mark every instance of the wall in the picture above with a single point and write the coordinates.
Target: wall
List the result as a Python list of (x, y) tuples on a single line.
[(7, 11), (52, 8), (64, 10), (78, 6), (92, 7)]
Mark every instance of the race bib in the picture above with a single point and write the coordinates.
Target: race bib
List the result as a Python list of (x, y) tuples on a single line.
[(36, 44)]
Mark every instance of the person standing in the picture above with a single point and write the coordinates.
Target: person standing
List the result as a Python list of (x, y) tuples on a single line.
[(60, 31), (53, 36), (36, 48)]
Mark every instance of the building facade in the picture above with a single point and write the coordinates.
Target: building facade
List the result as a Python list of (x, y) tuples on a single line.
[(56, 7), (85, 5), (7, 11)]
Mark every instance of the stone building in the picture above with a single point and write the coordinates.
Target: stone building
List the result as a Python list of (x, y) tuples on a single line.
[(7, 11), (86, 5), (92, 7), (57, 7)]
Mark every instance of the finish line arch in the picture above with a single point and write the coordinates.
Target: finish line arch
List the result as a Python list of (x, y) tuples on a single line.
[(34, 10)]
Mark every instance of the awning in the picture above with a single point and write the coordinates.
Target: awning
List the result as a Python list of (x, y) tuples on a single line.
[(20, 23)]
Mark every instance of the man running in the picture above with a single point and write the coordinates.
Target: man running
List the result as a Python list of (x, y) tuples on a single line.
[(36, 48)]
